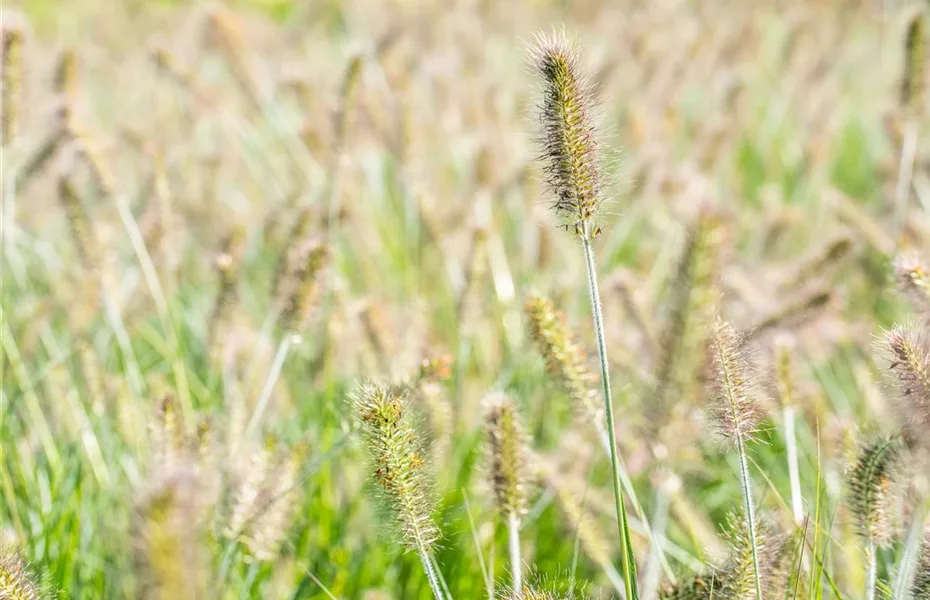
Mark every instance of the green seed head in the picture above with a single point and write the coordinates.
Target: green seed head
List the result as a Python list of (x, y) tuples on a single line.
[(568, 137), (507, 455), (16, 583), (913, 278), (871, 484), (398, 461)]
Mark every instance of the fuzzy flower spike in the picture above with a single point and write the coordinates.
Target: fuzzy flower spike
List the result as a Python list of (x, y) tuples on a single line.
[(568, 135)]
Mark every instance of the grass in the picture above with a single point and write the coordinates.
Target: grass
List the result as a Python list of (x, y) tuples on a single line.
[(197, 186)]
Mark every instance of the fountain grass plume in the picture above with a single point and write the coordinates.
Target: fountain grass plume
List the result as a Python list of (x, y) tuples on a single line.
[(11, 82), (508, 471), (399, 469), (913, 279), (16, 581), (571, 153), (871, 490), (735, 412), (906, 350), (565, 358), (914, 78), (920, 589), (568, 136)]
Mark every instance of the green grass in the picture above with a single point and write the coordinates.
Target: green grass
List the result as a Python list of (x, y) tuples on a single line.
[(75, 466)]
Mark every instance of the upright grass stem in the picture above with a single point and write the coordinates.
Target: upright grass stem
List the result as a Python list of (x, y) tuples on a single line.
[(746, 484), (516, 562), (872, 569), (623, 528)]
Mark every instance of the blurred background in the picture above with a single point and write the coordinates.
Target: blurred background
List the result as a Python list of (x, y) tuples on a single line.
[(218, 218)]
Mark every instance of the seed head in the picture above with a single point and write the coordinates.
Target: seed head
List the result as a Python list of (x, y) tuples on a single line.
[(920, 590), (300, 287), (871, 488), (913, 80), (913, 278), (11, 81), (16, 582), (735, 410), (694, 587), (398, 461), (565, 358), (907, 353), (568, 135), (507, 455), (168, 536), (266, 499)]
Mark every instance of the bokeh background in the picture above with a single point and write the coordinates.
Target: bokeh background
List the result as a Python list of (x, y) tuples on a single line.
[(174, 164)]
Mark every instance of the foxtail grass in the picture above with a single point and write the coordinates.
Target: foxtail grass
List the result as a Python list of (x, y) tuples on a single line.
[(11, 81), (16, 581), (399, 470), (571, 154), (871, 499), (736, 414), (906, 350), (508, 471)]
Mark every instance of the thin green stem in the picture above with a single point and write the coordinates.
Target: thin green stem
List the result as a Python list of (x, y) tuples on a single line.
[(791, 445), (750, 509), (623, 527), (516, 563), (427, 561), (872, 567)]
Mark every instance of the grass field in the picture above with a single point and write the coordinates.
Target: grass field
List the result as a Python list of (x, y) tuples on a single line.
[(220, 222)]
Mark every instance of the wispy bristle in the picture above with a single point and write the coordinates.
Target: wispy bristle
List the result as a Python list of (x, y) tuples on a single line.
[(16, 582), (568, 135), (871, 488), (507, 455), (565, 358), (913, 278), (398, 461), (735, 409), (907, 351)]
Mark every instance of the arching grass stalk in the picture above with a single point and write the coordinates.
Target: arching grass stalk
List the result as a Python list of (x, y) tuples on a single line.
[(571, 156)]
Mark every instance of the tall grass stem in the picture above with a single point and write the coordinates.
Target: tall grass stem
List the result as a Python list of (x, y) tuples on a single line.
[(623, 527)]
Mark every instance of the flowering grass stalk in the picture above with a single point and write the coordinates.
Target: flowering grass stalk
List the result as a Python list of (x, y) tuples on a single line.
[(571, 155)]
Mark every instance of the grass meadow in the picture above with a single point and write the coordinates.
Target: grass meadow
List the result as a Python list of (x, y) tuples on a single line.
[(296, 300)]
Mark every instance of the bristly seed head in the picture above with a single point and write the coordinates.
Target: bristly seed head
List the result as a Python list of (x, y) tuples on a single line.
[(398, 461), (507, 455), (568, 134), (736, 410), (920, 589), (913, 278), (871, 488), (906, 350), (16, 583), (565, 358)]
